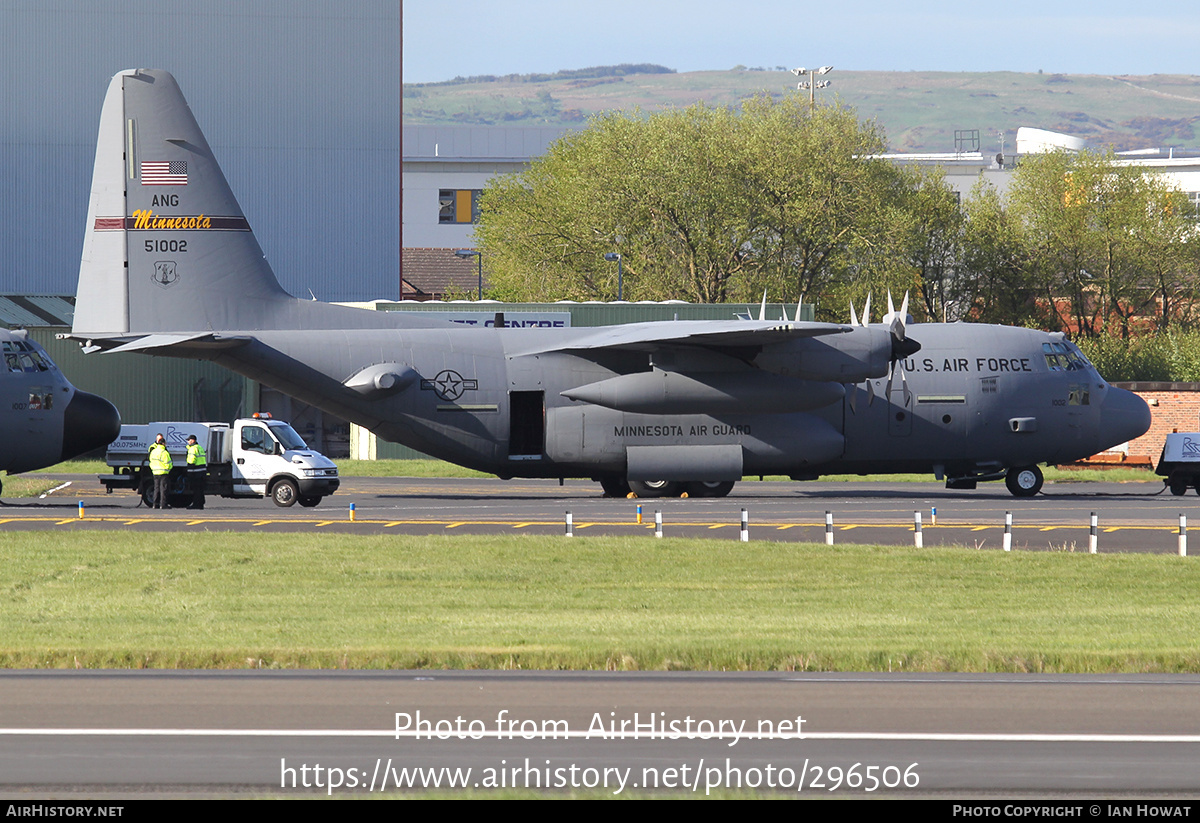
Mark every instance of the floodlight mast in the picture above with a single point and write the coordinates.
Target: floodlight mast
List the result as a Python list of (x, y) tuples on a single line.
[(812, 84)]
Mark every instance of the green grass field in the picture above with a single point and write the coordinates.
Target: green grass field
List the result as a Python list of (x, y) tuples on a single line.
[(231, 601)]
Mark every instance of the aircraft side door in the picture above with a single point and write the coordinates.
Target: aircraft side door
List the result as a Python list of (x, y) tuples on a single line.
[(526, 408)]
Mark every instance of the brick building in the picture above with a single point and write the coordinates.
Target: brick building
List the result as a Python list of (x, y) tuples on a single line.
[(1173, 407)]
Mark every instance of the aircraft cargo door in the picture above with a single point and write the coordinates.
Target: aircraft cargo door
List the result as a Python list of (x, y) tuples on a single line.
[(526, 425)]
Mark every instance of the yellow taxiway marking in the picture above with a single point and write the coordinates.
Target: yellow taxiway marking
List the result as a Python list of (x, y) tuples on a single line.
[(1171, 526)]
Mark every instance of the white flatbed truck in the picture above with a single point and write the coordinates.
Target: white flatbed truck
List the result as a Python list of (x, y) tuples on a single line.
[(255, 457), (1179, 463)]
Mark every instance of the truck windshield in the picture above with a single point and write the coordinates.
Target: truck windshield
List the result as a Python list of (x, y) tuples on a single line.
[(287, 436)]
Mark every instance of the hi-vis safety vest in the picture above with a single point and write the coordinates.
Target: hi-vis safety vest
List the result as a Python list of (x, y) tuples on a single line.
[(196, 457), (160, 459)]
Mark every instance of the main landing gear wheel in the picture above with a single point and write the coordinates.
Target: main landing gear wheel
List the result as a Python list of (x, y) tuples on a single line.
[(614, 486), (285, 493), (1024, 481), (655, 488), (710, 488)]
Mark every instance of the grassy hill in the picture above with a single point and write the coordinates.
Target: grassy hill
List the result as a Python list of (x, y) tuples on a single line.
[(920, 111)]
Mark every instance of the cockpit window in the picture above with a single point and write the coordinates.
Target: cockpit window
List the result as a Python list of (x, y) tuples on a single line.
[(1064, 357), (21, 357)]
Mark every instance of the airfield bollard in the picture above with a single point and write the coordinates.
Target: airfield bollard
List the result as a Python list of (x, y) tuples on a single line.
[(351, 512), (828, 528), (745, 535), (570, 526), (657, 523), (1008, 531), (80, 509), (639, 514), (933, 515), (1183, 535), (1092, 535), (918, 538)]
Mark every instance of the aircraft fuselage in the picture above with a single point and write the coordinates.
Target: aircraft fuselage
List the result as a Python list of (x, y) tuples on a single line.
[(974, 397)]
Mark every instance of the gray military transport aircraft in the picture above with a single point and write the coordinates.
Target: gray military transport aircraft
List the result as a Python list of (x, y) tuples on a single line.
[(170, 267), (44, 419)]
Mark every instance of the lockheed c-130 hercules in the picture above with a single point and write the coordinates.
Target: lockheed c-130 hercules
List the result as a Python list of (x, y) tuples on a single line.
[(44, 419), (170, 267)]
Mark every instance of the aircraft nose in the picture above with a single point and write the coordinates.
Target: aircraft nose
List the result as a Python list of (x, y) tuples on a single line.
[(89, 422), (1123, 417)]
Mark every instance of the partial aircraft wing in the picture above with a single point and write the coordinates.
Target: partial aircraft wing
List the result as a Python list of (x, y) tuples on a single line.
[(712, 334)]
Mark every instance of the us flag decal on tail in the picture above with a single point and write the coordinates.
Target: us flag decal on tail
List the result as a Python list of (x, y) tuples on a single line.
[(164, 173)]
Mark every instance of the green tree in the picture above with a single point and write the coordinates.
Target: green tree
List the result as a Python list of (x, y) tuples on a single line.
[(1106, 240), (707, 205), (995, 281), (930, 225)]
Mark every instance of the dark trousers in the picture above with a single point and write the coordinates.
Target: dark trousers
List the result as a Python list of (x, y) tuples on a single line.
[(161, 483), (196, 480)]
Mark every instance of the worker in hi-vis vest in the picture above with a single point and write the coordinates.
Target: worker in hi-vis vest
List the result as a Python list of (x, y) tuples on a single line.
[(160, 467), (197, 467)]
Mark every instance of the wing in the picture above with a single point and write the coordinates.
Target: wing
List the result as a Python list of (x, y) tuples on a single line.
[(709, 334)]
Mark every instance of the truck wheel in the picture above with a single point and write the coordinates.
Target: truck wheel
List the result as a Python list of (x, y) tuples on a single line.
[(309, 502), (710, 488), (655, 488), (1024, 481), (284, 493), (147, 493), (1179, 485)]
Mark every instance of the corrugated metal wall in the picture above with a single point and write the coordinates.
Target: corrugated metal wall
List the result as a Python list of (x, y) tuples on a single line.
[(147, 388), (300, 100)]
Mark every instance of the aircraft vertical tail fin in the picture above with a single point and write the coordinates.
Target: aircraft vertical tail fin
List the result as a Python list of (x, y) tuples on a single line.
[(167, 246)]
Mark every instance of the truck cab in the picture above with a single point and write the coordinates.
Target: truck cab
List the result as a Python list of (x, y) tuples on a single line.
[(270, 459)]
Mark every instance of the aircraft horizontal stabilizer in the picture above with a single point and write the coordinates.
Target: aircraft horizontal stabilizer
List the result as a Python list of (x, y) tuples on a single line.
[(150, 342)]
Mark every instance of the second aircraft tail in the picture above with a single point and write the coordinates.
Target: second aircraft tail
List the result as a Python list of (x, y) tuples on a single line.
[(167, 247)]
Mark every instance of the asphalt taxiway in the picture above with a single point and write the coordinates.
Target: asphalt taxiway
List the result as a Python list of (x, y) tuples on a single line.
[(812, 734), (1139, 517)]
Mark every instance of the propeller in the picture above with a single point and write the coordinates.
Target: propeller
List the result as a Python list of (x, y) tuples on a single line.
[(902, 347)]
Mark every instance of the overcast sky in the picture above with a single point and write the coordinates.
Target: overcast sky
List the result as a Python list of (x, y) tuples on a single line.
[(443, 40)]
